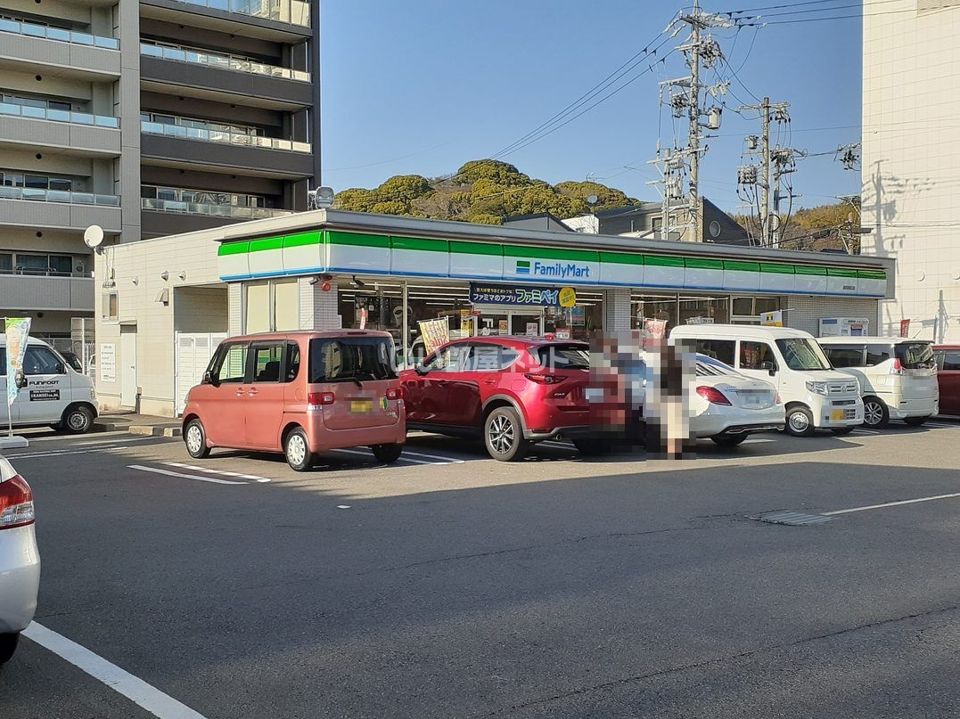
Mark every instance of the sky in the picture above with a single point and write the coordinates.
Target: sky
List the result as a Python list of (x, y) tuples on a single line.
[(422, 86)]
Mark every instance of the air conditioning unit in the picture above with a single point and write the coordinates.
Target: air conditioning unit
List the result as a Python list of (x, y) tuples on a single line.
[(79, 268)]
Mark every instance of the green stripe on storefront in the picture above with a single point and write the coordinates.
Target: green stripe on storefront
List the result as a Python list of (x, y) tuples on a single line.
[(808, 270), (662, 261), (735, 266), (551, 253), (356, 240), (698, 263), (415, 243), (476, 248), (302, 239), (776, 268), (871, 274), (621, 258), (266, 243), (837, 272), (233, 248)]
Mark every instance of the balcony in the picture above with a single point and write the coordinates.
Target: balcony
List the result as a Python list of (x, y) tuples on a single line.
[(230, 212), (285, 21), (83, 133), (31, 292), (228, 138), (168, 217), (222, 78), (44, 113), (56, 209), (286, 11), (74, 54)]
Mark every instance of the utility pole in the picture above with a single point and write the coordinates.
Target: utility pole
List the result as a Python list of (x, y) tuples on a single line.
[(693, 141), (775, 163), (765, 170)]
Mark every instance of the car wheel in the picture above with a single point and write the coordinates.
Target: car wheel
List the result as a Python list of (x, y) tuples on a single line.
[(296, 449), (799, 421), (728, 440), (840, 431), (78, 419), (875, 413), (503, 435), (591, 447), (8, 645), (916, 421), (387, 453), (195, 439)]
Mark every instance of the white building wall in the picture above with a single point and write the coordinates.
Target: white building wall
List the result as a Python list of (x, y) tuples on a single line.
[(318, 308), (911, 156), (805, 313)]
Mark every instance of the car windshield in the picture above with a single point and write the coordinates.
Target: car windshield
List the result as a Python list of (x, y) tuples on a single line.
[(803, 354), (565, 356), (915, 355), (346, 359)]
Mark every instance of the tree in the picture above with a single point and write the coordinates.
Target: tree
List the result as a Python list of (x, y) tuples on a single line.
[(607, 197), (403, 188), (356, 199)]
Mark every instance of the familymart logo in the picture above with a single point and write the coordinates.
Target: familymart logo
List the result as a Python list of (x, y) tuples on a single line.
[(558, 270)]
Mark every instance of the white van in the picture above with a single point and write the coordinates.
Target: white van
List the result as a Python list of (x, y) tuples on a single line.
[(55, 394), (814, 394), (897, 375)]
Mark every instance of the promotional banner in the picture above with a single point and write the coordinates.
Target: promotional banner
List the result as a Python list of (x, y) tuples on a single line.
[(522, 295), (772, 319), (434, 333), (17, 331), (904, 328)]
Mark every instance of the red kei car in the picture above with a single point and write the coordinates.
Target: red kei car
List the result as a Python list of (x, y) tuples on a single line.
[(948, 375), (514, 391)]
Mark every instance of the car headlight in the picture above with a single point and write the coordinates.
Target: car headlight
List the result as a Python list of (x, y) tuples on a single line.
[(818, 388)]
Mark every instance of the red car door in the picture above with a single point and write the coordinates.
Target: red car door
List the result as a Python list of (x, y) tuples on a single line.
[(427, 388), (948, 363)]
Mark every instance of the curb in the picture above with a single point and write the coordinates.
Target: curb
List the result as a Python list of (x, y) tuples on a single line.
[(154, 430)]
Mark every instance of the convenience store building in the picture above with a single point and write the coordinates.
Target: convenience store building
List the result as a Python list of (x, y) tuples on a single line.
[(165, 303)]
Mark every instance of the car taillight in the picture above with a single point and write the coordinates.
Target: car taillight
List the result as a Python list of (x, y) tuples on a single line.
[(16, 503), (395, 393), (897, 366), (712, 395), (316, 399), (543, 378)]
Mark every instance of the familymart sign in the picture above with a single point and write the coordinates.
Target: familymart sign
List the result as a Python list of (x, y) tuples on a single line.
[(334, 251)]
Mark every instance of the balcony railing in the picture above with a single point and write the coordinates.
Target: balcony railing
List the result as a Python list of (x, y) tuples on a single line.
[(195, 208), (64, 196), (19, 27), (228, 138), (44, 113), (289, 11), (225, 62)]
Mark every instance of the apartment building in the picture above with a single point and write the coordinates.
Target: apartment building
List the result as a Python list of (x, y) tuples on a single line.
[(911, 152), (147, 118)]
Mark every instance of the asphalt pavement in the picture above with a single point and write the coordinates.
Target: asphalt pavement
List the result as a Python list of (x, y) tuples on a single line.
[(450, 585)]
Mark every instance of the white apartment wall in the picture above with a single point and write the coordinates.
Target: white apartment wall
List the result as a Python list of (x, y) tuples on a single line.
[(911, 152)]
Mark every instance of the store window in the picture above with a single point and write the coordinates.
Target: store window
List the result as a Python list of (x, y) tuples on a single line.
[(747, 310), (654, 307), (271, 306), (257, 306), (109, 309), (704, 310)]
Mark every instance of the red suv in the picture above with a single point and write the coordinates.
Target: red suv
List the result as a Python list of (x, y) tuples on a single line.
[(515, 391)]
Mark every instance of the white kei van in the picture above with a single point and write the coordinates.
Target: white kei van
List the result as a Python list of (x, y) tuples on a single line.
[(897, 375), (814, 394), (55, 394)]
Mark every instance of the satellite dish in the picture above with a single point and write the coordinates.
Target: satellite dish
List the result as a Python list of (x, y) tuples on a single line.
[(93, 236), (592, 199)]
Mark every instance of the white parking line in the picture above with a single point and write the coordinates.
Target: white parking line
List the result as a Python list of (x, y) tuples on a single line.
[(121, 681), (58, 452), (63, 437), (208, 470), (558, 445), (113, 441), (451, 460), (369, 455), (891, 504), (758, 441), (168, 473), (865, 431)]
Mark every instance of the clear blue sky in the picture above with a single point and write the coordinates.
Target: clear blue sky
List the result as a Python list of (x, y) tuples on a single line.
[(422, 86)]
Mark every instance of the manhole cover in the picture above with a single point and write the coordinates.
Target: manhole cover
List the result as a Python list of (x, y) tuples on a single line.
[(791, 519)]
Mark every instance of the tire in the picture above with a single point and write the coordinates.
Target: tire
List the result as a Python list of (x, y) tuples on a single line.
[(799, 421), (728, 440), (592, 447), (503, 435), (8, 645), (387, 453), (195, 440), (916, 421), (875, 413), (841, 431), (78, 419), (296, 450)]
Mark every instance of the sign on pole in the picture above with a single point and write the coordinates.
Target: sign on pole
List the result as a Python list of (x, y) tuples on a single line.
[(904, 328), (17, 330), (772, 319)]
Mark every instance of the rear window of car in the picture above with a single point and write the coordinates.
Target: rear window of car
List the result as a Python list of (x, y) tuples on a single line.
[(348, 359), (563, 356), (916, 355)]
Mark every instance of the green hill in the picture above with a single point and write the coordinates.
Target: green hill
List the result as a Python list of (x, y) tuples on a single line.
[(482, 191)]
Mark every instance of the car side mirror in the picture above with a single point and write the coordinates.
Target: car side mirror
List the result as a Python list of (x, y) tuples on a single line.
[(208, 378), (421, 370), (769, 367)]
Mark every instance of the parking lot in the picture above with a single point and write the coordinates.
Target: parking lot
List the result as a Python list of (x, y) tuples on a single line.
[(451, 585)]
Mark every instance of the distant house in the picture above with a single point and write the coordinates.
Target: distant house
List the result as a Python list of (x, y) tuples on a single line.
[(539, 221), (646, 220)]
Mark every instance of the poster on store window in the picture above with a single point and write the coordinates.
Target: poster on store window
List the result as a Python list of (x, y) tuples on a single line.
[(363, 313), (533, 329), (17, 331), (435, 333), (904, 328)]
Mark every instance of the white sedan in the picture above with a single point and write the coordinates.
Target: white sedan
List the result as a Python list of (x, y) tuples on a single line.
[(727, 406), (19, 559)]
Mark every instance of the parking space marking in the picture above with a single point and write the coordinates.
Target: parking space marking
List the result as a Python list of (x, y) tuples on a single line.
[(891, 504), (63, 437), (114, 441), (121, 681), (169, 473), (60, 452), (208, 470), (369, 455), (452, 460)]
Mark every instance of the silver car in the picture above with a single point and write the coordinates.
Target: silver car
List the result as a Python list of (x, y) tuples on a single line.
[(19, 558)]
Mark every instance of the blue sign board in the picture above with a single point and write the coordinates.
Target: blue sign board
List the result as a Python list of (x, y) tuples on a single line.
[(514, 295)]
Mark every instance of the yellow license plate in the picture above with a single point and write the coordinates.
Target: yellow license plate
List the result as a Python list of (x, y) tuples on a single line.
[(361, 406), (837, 415)]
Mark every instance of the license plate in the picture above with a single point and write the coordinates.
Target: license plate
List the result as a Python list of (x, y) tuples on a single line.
[(838, 415), (361, 406)]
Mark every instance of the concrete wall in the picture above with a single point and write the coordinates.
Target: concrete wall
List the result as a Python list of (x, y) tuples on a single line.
[(911, 151)]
